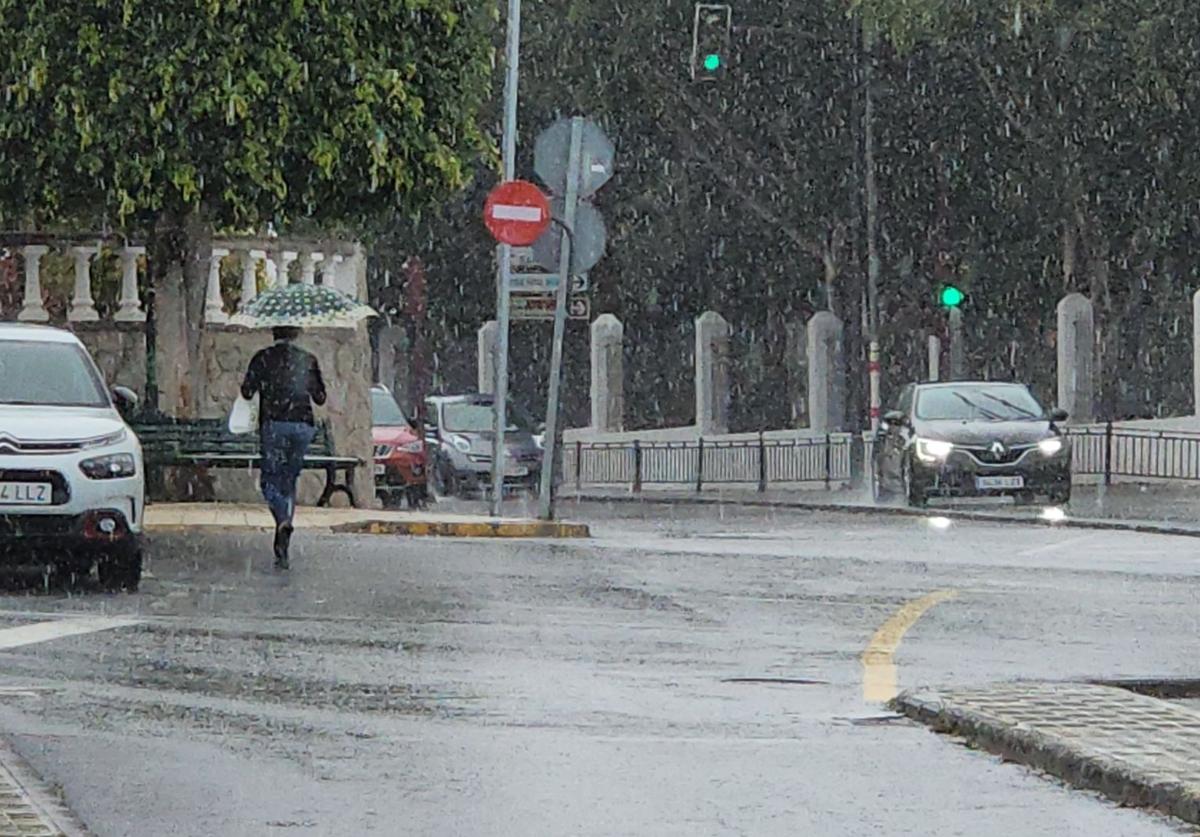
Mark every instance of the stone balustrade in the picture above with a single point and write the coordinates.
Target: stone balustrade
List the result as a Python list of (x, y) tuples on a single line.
[(341, 265)]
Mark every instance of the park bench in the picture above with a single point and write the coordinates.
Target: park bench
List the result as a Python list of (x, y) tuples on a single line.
[(207, 443)]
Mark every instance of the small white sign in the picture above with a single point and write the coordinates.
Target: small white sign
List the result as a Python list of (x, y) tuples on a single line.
[(508, 212)]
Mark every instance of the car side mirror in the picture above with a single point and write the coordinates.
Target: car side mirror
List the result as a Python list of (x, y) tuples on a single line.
[(541, 428), (895, 417), (1059, 415), (125, 399)]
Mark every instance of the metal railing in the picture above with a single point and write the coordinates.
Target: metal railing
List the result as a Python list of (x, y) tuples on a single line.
[(1109, 452), (760, 462)]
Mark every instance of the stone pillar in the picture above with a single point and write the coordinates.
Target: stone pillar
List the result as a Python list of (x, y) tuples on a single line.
[(489, 334), (34, 309), (608, 374), (214, 305), (250, 261), (83, 307), (958, 345), (329, 269), (130, 305), (826, 374), (1076, 357), (797, 373), (1195, 350), (934, 349), (712, 373), (308, 268)]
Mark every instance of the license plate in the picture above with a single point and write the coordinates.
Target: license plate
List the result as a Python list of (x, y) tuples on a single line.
[(516, 471), (999, 483), (25, 493), (380, 470)]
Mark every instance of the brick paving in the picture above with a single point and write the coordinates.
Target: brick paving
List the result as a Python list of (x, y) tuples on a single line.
[(1138, 750), (27, 807)]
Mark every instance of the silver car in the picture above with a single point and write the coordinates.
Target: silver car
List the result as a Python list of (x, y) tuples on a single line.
[(460, 435)]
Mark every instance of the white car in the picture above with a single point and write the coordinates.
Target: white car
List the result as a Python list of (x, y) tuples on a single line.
[(72, 489)]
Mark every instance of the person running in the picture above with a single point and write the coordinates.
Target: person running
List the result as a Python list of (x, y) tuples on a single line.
[(288, 381)]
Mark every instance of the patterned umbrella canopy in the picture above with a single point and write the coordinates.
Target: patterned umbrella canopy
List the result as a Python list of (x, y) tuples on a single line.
[(303, 306)]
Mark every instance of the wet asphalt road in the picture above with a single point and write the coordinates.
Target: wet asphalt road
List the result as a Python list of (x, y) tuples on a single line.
[(393, 686)]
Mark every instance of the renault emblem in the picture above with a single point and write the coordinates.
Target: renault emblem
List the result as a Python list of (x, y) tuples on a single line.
[(997, 449)]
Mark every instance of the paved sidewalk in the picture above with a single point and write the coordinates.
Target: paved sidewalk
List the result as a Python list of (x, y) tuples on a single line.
[(1139, 751), (176, 516)]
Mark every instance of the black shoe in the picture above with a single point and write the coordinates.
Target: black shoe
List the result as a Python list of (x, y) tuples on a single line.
[(283, 543)]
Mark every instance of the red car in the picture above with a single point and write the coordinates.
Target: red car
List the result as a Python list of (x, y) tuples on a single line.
[(400, 472)]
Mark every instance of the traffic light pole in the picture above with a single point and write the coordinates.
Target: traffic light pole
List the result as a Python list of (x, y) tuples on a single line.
[(871, 184), (504, 256)]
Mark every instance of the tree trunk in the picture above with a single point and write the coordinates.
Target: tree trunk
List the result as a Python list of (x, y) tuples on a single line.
[(180, 249)]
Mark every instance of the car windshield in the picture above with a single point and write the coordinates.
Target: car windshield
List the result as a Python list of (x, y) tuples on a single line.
[(49, 374), (464, 417), (978, 403), (385, 412)]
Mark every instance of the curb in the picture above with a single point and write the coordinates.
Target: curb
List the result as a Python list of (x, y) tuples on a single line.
[(27, 803), (1094, 524), (488, 529), (407, 528), (1086, 770)]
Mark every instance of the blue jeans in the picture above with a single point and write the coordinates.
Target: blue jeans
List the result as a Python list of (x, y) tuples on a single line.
[(284, 446)]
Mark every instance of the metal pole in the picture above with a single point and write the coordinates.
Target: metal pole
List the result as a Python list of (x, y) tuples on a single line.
[(565, 275), (504, 256), (957, 349), (871, 184)]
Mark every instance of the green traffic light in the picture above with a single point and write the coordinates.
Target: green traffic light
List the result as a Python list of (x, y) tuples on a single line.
[(712, 62), (952, 297)]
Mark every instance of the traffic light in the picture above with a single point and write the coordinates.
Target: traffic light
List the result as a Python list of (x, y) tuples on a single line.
[(951, 296), (710, 40)]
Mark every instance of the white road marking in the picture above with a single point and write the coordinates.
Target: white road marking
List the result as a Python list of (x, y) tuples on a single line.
[(46, 631)]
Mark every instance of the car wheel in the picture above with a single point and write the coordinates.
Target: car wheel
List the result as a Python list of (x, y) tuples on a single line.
[(1061, 496), (912, 494), (391, 499), (121, 571)]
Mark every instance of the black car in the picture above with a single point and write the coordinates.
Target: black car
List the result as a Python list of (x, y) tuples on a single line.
[(972, 439)]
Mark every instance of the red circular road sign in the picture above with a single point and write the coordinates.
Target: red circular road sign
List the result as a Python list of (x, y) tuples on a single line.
[(517, 212)]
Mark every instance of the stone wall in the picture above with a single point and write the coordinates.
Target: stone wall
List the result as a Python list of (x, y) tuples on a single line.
[(120, 352), (345, 358)]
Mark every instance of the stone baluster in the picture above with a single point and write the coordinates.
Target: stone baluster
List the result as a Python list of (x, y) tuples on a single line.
[(130, 310), (214, 305), (308, 267), (34, 309), (250, 261), (283, 263), (329, 270), (83, 307)]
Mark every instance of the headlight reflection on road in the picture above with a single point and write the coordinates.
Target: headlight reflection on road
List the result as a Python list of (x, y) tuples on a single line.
[(940, 524), (1054, 514)]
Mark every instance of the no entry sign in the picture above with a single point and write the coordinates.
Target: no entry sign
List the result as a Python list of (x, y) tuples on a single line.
[(517, 212)]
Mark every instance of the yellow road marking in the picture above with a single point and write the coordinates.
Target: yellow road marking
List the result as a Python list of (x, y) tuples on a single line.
[(878, 660)]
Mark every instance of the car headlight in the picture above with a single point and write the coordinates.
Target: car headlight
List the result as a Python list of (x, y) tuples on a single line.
[(413, 447), (540, 441), (462, 444), (932, 450), (113, 467), (1050, 447), (105, 441)]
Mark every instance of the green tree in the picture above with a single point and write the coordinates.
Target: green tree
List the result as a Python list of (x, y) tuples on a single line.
[(171, 119)]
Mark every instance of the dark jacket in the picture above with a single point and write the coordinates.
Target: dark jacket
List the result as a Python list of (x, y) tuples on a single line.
[(287, 380)]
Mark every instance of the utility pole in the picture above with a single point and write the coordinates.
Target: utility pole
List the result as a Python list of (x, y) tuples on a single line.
[(504, 256)]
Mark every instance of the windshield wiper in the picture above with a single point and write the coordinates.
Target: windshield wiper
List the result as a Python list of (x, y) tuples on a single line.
[(988, 414), (1019, 410)]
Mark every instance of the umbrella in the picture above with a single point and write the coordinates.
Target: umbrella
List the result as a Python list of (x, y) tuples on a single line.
[(302, 306)]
